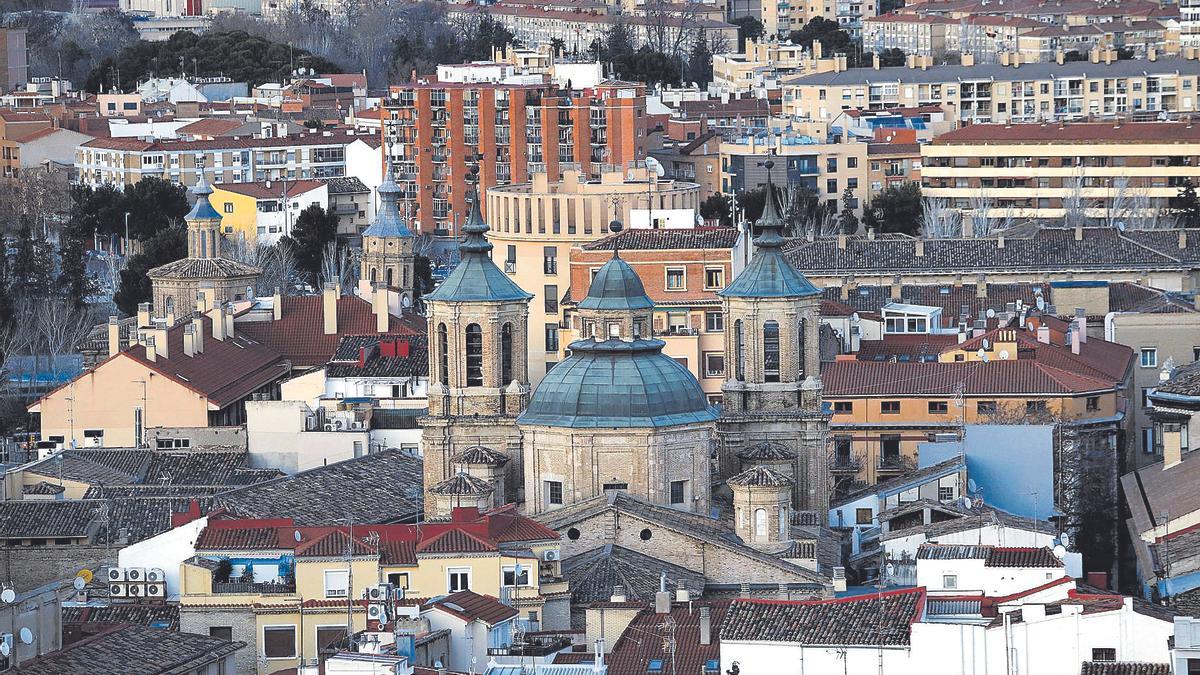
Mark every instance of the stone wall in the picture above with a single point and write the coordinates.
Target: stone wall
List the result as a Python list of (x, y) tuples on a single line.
[(199, 619), (33, 566)]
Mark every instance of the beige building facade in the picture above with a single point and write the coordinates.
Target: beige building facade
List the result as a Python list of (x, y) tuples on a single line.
[(535, 225)]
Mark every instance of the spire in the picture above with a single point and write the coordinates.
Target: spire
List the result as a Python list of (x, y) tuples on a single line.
[(388, 222), (770, 223), (202, 209), (474, 229)]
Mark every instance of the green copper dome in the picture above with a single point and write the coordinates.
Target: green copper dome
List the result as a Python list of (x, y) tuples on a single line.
[(616, 286), (476, 278)]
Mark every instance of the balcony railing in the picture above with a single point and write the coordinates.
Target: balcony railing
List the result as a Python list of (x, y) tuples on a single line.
[(533, 646), (846, 465), (254, 588), (895, 463)]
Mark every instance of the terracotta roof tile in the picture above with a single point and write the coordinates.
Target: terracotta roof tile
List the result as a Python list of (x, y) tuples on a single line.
[(471, 606), (882, 619), (133, 649), (645, 640), (1009, 556), (874, 378), (261, 189)]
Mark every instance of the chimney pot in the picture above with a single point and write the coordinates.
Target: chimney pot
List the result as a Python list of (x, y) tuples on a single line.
[(114, 336), (151, 354), (277, 305), (189, 345), (705, 625), (329, 308)]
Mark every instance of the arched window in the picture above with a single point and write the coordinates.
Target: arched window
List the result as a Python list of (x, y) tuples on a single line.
[(389, 277), (443, 355), (405, 277), (771, 351), (374, 275), (506, 354), (784, 523), (739, 350), (760, 523), (803, 344), (474, 355)]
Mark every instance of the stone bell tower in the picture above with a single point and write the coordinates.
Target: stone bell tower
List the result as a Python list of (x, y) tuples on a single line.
[(387, 246), (773, 389), (478, 374)]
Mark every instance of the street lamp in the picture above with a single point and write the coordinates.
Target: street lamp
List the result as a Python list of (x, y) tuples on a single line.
[(125, 245)]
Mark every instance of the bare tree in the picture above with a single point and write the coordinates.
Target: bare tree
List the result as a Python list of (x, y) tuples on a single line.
[(277, 262), (337, 266), (980, 204), (61, 328), (939, 220), (1075, 204)]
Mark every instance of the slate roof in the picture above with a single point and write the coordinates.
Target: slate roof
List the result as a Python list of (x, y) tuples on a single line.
[(381, 487), (299, 335), (43, 488), (644, 640), (868, 620), (203, 268), (339, 185), (462, 484), (388, 221), (476, 278), (1124, 668), (699, 238), (769, 274), (1028, 556), (471, 606), (593, 574), (133, 650), (1151, 492), (615, 286), (346, 360), (760, 476), (479, 455), (1045, 249), (997, 72)]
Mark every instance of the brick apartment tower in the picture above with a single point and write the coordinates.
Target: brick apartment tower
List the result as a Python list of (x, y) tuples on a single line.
[(438, 131), (478, 372), (772, 398)]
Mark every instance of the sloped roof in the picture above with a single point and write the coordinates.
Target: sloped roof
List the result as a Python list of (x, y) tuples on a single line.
[(134, 650), (644, 640), (471, 606), (263, 190), (203, 268), (1028, 556), (593, 574), (476, 278), (767, 451), (760, 476), (874, 378), (362, 356), (462, 484), (42, 519), (388, 221), (479, 455), (870, 620), (700, 238), (1124, 668), (616, 286)]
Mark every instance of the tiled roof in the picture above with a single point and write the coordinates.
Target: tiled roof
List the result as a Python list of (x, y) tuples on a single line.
[(1075, 132), (368, 351), (700, 238), (1131, 297), (381, 487), (333, 545), (48, 518), (315, 138), (760, 476), (1101, 248), (593, 574), (1151, 492), (1124, 668), (203, 268), (133, 650), (142, 615), (114, 472), (343, 185), (471, 606), (767, 451), (952, 552), (874, 378), (462, 484), (1009, 556), (267, 190), (133, 519), (220, 538), (737, 106), (914, 347), (645, 640), (874, 620), (999, 73), (299, 335), (479, 455), (455, 541), (42, 488), (1185, 381), (211, 126)]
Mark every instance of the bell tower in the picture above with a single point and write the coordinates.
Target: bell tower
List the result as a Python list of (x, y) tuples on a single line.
[(478, 373), (772, 339), (387, 246)]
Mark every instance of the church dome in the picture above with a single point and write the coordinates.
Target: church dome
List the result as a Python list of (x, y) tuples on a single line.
[(616, 286), (617, 384)]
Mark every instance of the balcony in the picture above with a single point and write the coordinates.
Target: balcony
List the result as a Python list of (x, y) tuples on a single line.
[(894, 464), (253, 588), (846, 465), (533, 645)]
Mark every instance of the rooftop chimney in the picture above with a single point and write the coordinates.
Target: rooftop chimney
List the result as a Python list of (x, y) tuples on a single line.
[(662, 602), (1073, 334), (197, 334), (871, 233), (229, 320), (958, 281), (1079, 232), (379, 305), (841, 239), (1081, 324), (151, 355), (896, 288), (744, 592), (618, 593), (981, 288), (682, 595), (114, 336), (1043, 334), (189, 340), (920, 248), (143, 314), (1183, 239), (706, 625), (1060, 57), (217, 317), (277, 305), (329, 308)]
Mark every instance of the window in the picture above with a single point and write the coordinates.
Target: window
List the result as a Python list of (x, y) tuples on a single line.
[(714, 278), (1032, 407), (842, 446), (1093, 403), (771, 351), (678, 490), (329, 637), (1104, 654), (170, 443), (1193, 667), (614, 486), (831, 188), (228, 207), (1148, 447), (279, 642), (985, 408), (1149, 357), (1146, 397), (831, 165), (760, 522), (676, 279), (851, 162), (890, 444), (714, 322), (1196, 353), (221, 632), (843, 407), (550, 293), (554, 492), (398, 579), (938, 408), (889, 407), (945, 494), (458, 579), (552, 337), (474, 355), (516, 575), (506, 354), (863, 516), (949, 581), (510, 262), (714, 364), (550, 260), (738, 353), (337, 583), (443, 355)]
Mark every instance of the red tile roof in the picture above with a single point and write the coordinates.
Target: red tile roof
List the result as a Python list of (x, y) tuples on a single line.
[(1013, 556), (299, 335), (456, 541), (334, 138), (1074, 133), (211, 126), (265, 190), (471, 606), (333, 544), (645, 640), (999, 378)]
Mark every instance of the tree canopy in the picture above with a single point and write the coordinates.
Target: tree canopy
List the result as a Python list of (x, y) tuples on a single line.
[(315, 228), (896, 209), (167, 246)]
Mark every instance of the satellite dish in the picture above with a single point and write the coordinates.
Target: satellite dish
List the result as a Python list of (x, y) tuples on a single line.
[(855, 317), (1064, 539), (981, 354), (991, 314), (1004, 354), (405, 301), (1060, 551), (26, 636), (79, 583), (654, 165), (5, 647), (986, 344), (890, 569), (297, 536), (1041, 303), (8, 595), (86, 575), (971, 485)]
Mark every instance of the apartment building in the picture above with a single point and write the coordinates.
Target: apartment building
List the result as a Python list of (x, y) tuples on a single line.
[(759, 64), (14, 59), (535, 225), (849, 14), (1140, 37), (437, 132), (323, 154), (262, 213), (1106, 172), (984, 37), (1005, 92), (1068, 13)]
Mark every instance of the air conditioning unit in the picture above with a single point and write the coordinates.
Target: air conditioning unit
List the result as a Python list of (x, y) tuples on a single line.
[(376, 613), (135, 574), (155, 575), (328, 426), (379, 593), (398, 594), (117, 590), (116, 574), (839, 572), (551, 554), (135, 590), (155, 590)]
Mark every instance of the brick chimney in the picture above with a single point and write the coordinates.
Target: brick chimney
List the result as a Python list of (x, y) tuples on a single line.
[(329, 308), (114, 336)]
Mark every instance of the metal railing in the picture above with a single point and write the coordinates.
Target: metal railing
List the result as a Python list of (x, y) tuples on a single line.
[(254, 588)]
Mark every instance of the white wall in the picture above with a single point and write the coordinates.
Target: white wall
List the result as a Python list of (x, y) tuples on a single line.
[(276, 438), (764, 657), (366, 164), (165, 551), (993, 535), (974, 576)]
